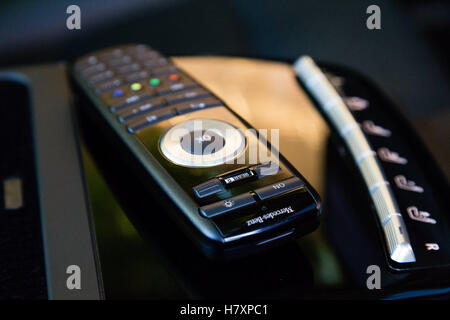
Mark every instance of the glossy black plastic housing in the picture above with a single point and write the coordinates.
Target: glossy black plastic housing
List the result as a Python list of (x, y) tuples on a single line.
[(250, 228)]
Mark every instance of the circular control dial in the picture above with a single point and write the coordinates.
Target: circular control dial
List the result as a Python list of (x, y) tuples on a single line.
[(202, 143)]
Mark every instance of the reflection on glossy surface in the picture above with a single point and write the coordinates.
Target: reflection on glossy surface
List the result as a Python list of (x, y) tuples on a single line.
[(267, 95), (129, 265), (144, 254)]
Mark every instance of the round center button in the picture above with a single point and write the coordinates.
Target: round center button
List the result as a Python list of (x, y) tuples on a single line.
[(202, 143)]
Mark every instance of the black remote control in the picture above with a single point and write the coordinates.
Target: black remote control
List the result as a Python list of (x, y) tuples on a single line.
[(228, 184)]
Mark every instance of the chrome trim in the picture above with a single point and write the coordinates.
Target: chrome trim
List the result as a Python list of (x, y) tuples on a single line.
[(396, 235)]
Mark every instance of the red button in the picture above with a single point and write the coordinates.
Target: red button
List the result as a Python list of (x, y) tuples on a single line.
[(174, 77)]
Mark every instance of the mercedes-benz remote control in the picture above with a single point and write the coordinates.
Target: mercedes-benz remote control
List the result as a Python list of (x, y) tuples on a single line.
[(233, 191)]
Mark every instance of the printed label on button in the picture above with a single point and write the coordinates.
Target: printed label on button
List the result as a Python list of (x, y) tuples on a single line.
[(279, 188), (371, 128), (228, 203), (432, 246), (418, 215), (390, 156), (356, 103), (403, 183), (217, 208)]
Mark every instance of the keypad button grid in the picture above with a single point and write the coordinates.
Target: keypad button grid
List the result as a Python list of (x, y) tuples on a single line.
[(141, 86)]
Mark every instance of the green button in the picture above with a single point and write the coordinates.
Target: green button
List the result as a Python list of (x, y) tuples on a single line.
[(136, 86), (154, 81)]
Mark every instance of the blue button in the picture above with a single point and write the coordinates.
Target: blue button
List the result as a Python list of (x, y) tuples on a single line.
[(117, 93)]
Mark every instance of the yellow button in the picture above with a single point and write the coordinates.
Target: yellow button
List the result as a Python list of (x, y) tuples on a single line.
[(136, 86)]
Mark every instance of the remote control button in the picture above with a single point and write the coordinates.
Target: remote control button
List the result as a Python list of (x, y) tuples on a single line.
[(117, 62), (108, 85), (100, 77), (156, 63), (223, 206), (165, 70), (277, 188), (128, 68), (262, 215), (186, 95), (237, 177), (202, 143), (266, 169), (135, 111), (174, 86), (86, 62), (208, 188), (136, 86), (147, 55), (197, 105), (154, 82), (91, 70), (149, 120), (117, 93), (137, 76), (111, 54), (135, 98), (137, 49)]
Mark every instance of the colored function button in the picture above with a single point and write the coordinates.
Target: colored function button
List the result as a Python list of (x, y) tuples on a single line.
[(277, 188), (174, 77), (136, 86), (155, 81), (207, 188), (227, 205), (117, 93)]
